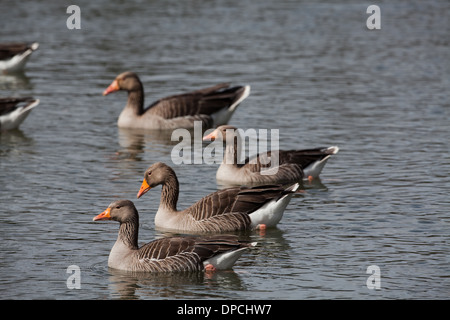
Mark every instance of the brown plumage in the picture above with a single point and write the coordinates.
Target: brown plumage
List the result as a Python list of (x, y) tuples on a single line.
[(13, 111), (168, 254), (9, 50), (230, 209), (13, 56), (212, 106)]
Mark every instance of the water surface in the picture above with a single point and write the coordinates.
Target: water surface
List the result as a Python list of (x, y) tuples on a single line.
[(317, 74)]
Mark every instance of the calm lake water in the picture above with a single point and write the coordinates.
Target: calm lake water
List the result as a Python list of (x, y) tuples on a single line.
[(317, 74)]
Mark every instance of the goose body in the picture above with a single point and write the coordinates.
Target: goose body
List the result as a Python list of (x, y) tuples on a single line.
[(212, 106), (293, 165), (14, 56), (170, 254), (230, 209), (13, 111)]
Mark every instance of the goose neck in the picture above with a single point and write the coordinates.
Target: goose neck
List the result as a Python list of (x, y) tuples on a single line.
[(233, 150), (170, 191), (136, 100), (128, 233)]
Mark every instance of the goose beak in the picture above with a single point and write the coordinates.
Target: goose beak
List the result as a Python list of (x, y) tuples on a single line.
[(105, 215), (210, 137), (114, 86), (144, 188)]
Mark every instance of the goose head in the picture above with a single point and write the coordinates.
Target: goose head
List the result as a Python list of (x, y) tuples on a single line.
[(220, 133), (120, 210), (155, 175), (128, 81)]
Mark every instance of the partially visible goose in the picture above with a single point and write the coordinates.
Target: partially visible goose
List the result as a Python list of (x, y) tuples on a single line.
[(212, 106), (14, 56), (293, 165), (13, 111), (166, 254), (230, 209)]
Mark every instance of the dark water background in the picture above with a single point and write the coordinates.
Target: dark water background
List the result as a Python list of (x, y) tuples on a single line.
[(317, 74)]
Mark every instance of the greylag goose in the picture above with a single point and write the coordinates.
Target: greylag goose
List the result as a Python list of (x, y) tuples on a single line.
[(13, 111), (14, 56), (293, 165), (211, 106), (166, 254), (230, 209)]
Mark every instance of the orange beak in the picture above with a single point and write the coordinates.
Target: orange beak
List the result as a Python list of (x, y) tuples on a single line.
[(144, 188), (210, 137), (105, 215), (114, 86)]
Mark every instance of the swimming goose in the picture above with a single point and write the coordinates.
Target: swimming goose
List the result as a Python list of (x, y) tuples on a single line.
[(231, 209), (13, 111), (167, 254), (14, 56), (293, 165), (211, 106)]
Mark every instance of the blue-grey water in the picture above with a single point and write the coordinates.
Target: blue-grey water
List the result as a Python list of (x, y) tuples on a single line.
[(317, 73)]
